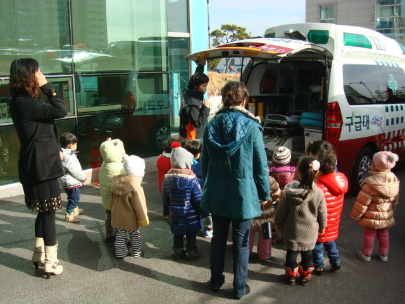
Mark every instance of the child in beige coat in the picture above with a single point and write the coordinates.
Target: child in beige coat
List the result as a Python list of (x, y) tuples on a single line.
[(128, 207)]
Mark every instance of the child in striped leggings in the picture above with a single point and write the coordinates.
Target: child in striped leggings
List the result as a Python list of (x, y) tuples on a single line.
[(128, 207)]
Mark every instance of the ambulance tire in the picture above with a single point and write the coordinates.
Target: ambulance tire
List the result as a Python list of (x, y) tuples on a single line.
[(361, 168), (158, 136)]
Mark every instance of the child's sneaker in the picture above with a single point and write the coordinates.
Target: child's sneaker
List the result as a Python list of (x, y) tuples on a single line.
[(362, 256), (383, 258), (318, 271), (71, 218), (177, 254), (192, 255), (208, 233), (335, 266)]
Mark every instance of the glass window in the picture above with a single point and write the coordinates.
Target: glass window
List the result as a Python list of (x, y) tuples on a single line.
[(133, 92), (9, 149), (388, 2), (392, 79), (125, 35), (365, 84), (327, 14), (35, 29), (177, 16), (134, 108), (361, 84), (62, 84), (4, 102)]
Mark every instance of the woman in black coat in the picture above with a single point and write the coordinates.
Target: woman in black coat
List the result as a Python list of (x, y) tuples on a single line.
[(39, 162)]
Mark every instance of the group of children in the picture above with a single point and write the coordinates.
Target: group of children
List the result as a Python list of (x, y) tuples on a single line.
[(305, 205), (308, 212)]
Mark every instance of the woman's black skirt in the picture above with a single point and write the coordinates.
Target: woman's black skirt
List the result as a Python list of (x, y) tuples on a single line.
[(43, 197)]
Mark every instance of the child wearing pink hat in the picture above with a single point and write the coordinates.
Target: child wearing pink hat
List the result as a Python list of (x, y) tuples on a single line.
[(375, 205)]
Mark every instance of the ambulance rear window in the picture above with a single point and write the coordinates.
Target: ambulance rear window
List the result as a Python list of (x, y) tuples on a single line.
[(357, 40)]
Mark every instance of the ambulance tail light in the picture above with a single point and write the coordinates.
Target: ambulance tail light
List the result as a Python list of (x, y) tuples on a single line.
[(334, 123), (129, 101)]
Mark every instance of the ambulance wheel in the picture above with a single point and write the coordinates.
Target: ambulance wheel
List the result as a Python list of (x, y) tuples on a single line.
[(158, 136), (361, 168)]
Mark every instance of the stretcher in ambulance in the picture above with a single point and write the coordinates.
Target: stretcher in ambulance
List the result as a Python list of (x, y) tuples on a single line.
[(312, 81)]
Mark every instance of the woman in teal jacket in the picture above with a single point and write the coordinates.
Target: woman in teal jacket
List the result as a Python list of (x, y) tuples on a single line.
[(235, 175)]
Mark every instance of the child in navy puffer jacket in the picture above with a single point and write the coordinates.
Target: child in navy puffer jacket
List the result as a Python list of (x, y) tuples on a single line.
[(181, 198)]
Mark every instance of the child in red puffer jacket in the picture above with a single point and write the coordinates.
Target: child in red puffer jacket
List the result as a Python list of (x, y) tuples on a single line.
[(334, 186), (163, 164)]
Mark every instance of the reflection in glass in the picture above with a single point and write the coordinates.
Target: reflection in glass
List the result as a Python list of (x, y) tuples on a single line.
[(374, 85), (28, 29), (132, 107), (9, 149), (327, 14), (177, 16), (125, 35)]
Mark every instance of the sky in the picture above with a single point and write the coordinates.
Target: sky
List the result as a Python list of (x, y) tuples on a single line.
[(255, 15)]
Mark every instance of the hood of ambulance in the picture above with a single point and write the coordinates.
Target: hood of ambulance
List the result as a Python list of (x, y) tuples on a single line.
[(265, 48)]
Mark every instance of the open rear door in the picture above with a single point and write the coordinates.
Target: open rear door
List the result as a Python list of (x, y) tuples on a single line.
[(264, 48)]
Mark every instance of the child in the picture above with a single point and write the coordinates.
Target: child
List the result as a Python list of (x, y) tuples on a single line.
[(321, 149), (163, 164), (267, 216), (282, 172), (128, 207), (334, 186), (301, 214), (73, 176), (194, 147), (182, 196), (375, 204), (112, 152)]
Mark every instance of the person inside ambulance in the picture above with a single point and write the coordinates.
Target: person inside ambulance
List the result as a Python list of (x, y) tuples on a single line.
[(391, 97)]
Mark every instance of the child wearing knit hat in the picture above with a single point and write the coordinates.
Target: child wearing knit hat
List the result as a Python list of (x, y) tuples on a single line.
[(181, 199), (128, 207), (281, 170), (375, 205)]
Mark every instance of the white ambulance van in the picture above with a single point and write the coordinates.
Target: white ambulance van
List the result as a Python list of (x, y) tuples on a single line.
[(312, 81)]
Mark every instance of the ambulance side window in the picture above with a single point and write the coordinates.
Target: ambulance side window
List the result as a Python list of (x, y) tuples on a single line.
[(393, 81), (361, 85)]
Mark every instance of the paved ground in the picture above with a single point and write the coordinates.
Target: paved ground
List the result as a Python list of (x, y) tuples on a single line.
[(93, 275)]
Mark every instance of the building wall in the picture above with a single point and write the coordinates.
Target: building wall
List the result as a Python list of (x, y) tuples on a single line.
[(385, 16)]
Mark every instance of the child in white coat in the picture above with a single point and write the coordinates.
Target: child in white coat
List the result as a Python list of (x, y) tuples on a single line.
[(73, 177)]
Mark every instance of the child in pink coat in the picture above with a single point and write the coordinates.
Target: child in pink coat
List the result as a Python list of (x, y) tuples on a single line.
[(281, 170)]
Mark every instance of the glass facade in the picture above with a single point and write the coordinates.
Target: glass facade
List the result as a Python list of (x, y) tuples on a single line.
[(390, 18), (119, 70)]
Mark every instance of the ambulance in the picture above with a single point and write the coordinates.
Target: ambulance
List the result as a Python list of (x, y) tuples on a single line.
[(313, 81)]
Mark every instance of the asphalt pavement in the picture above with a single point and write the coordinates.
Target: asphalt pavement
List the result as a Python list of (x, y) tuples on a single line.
[(93, 275)]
